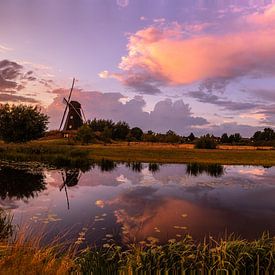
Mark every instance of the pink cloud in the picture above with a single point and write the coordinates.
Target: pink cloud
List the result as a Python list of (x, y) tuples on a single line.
[(166, 114), (165, 55)]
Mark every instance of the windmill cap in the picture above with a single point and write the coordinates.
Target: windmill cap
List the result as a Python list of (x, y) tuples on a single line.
[(76, 104)]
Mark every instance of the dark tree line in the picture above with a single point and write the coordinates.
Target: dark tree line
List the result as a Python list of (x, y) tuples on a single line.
[(107, 130), (22, 123)]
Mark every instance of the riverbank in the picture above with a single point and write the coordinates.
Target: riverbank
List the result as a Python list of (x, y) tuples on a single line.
[(59, 153)]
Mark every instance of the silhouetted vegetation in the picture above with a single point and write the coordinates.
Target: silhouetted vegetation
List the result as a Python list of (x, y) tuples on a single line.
[(85, 134), (206, 142), (136, 133), (135, 166), (153, 167), (21, 123), (196, 169), (20, 183), (106, 165), (107, 131)]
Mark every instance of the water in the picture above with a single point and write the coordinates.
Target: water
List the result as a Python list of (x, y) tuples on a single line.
[(129, 202)]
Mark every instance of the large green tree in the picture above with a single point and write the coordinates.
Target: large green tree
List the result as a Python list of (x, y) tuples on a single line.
[(21, 123)]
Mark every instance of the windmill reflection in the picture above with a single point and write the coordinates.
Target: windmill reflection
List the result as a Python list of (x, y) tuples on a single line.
[(70, 178)]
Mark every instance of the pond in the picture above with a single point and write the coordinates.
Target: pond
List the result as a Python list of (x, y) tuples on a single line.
[(133, 201)]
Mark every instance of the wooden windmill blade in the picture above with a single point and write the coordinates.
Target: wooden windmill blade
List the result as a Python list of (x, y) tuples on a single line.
[(83, 115), (69, 98)]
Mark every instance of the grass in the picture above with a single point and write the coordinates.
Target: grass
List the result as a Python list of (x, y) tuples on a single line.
[(164, 153), (177, 257), (21, 253), (59, 154)]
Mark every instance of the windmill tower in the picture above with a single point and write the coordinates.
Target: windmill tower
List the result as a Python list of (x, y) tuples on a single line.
[(73, 113)]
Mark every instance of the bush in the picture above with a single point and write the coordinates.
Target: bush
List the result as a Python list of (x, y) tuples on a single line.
[(85, 134), (206, 142), (21, 123)]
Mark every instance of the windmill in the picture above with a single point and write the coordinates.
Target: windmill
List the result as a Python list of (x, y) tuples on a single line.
[(70, 178), (74, 113)]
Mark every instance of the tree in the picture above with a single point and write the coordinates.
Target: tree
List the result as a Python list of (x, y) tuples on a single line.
[(224, 138), (171, 137), (136, 133), (121, 130), (21, 123), (106, 135), (98, 125), (85, 134)]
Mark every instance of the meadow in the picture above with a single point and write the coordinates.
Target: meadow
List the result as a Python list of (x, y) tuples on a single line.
[(60, 152)]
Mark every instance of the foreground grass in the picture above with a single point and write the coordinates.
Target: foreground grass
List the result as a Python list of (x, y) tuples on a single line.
[(174, 257), (21, 253), (60, 154)]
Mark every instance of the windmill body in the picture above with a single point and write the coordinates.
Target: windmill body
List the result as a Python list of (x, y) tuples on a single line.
[(73, 114), (74, 118)]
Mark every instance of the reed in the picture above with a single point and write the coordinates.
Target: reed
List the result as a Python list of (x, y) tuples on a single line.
[(222, 256)]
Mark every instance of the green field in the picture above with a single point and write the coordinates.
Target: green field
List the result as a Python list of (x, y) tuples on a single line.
[(181, 154), (57, 151)]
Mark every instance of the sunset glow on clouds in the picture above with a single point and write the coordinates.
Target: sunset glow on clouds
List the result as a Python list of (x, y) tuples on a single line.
[(196, 66), (167, 55)]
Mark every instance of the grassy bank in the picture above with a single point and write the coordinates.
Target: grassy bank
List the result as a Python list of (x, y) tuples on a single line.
[(50, 154), (58, 153), (159, 153)]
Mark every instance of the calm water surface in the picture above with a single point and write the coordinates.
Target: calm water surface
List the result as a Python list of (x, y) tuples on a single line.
[(135, 201)]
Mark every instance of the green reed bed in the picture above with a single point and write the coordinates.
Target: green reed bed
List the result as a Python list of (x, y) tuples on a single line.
[(177, 257), (54, 155)]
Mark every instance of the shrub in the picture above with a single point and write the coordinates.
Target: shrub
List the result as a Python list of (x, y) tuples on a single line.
[(85, 134), (206, 142)]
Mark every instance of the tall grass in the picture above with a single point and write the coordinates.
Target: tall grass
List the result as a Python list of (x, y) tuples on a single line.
[(24, 254), (6, 227), (21, 252), (176, 257)]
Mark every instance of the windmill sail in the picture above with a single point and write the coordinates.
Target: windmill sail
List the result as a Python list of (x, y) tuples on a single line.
[(69, 98)]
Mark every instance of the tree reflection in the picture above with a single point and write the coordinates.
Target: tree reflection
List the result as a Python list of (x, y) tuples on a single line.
[(153, 167), (196, 169), (106, 165), (20, 183), (135, 166)]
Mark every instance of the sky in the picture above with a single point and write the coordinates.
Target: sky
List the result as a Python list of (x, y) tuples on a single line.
[(201, 66)]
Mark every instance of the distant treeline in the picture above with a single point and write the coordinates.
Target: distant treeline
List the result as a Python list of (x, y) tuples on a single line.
[(102, 130)]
